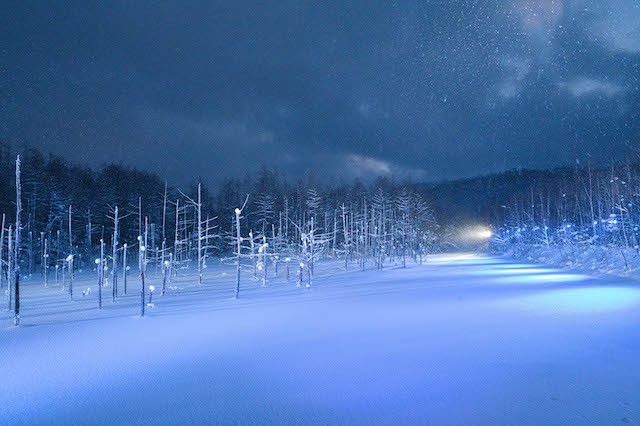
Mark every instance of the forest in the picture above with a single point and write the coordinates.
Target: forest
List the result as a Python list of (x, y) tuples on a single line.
[(68, 209), (68, 218), (586, 217)]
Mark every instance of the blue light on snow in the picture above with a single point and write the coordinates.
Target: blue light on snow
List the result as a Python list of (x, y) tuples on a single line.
[(516, 272), (541, 277), (585, 300)]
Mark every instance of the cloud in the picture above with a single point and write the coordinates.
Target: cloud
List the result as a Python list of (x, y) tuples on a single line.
[(364, 109), (616, 24), (212, 147), (538, 17), (587, 86), (516, 70), (534, 24), (362, 166), (223, 132), (538, 20)]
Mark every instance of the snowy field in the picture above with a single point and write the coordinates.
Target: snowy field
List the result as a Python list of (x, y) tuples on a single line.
[(464, 339)]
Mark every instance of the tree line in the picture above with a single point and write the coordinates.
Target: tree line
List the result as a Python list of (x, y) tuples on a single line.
[(580, 207), (59, 218), (70, 218)]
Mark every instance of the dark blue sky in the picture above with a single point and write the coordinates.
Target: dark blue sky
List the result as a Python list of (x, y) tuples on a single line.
[(429, 89)]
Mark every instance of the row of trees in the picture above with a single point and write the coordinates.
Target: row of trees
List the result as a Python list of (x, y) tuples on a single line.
[(77, 219), (72, 208), (584, 206), (58, 219), (370, 230)]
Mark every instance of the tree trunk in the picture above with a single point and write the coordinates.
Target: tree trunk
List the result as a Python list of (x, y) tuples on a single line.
[(1, 247), (114, 268), (10, 266), (238, 243), (124, 268), (16, 284), (142, 268), (199, 207), (100, 272)]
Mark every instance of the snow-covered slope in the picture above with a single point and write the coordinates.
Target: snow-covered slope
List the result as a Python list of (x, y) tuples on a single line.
[(464, 339)]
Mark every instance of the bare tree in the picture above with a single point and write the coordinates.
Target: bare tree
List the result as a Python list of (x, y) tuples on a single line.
[(345, 231), (238, 215), (114, 246), (201, 228), (142, 268), (100, 266), (71, 272), (10, 250), (69, 261), (16, 283), (124, 267), (89, 241), (1, 248)]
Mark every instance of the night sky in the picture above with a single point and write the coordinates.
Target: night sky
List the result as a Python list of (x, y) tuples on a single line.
[(423, 89)]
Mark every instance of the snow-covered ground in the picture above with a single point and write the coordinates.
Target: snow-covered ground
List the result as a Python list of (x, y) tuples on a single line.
[(464, 339), (609, 260)]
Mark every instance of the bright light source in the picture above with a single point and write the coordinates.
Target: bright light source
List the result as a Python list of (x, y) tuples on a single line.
[(471, 237), (480, 233), (484, 234)]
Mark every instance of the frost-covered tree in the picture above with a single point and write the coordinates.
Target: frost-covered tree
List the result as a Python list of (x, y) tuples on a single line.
[(114, 253), (237, 241), (264, 212), (16, 281), (1, 251), (204, 230)]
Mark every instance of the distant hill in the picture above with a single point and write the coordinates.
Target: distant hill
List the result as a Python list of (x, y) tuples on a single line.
[(484, 198)]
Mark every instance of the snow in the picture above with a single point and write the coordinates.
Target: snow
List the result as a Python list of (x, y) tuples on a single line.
[(608, 260), (464, 339)]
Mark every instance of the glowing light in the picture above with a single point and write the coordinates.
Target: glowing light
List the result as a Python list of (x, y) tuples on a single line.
[(480, 233), (484, 234), (586, 300), (515, 273), (446, 258), (538, 276)]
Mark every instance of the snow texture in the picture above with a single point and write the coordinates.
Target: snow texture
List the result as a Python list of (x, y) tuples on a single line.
[(464, 339)]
